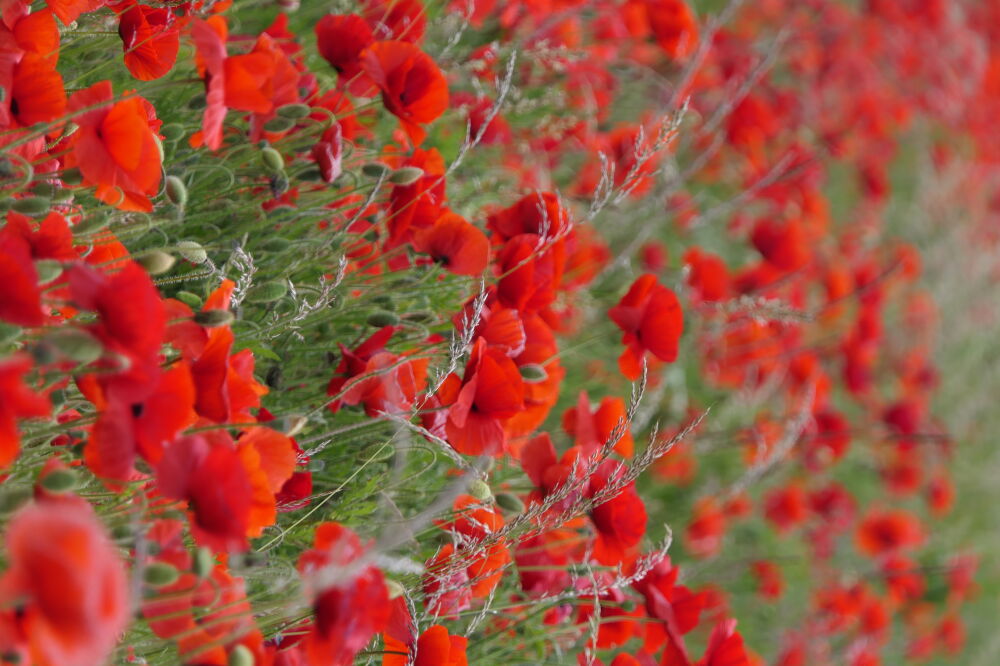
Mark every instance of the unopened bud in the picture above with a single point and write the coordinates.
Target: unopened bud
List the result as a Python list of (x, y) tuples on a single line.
[(34, 206), (190, 299), (71, 176), (203, 562), (44, 189), (383, 318), (406, 175), (13, 497), (48, 270), (59, 481), (76, 345), (240, 656), (279, 124), (295, 111), (532, 373), (295, 424), (480, 490), (176, 191), (172, 131), (159, 574), (156, 262), (276, 244), (192, 251), (268, 292), (510, 502), (272, 159), (92, 224), (375, 169), (394, 588), (214, 318)]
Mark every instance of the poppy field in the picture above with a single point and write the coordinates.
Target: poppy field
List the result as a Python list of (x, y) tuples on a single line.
[(498, 332)]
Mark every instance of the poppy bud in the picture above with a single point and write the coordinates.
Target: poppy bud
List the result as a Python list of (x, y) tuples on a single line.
[(192, 300), (406, 175), (71, 176), (419, 316), (480, 490), (76, 345), (9, 333), (214, 318), (48, 270), (272, 159), (121, 533), (383, 318), (192, 251), (375, 170), (202, 562), (532, 373), (510, 502), (279, 124), (295, 424), (156, 262), (172, 132), (159, 574), (11, 498), (628, 605), (240, 656), (62, 195), (378, 452), (276, 244), (92, 224), (295, 111), (34, 206), (59, 481), (197, 102), (393, 588), (44, 189), (176, 192), (268, 292)]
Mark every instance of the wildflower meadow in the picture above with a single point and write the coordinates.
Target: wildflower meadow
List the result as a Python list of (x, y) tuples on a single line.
[(499, 332)]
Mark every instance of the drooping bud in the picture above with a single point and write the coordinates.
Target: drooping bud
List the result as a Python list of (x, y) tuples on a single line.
[(294, 111), (480, 490), (33, 206), (156, 262), (510, 502), (272, 160), (268, 292), (160, 574), (60, 480), (279, 124), (202, 562), (192, 251), (192, 300), (12, 497), (406, 175), (214, 318), (240, 656), (48, 270), (92, 224), (176, 191), (375, 170), (75, 344), (383, 318)]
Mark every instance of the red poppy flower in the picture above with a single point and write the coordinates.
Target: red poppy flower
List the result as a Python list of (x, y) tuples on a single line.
[(209, 37), (20, 300), (116, 147), (531, 271), (708, 278), (420, 204), (490, 392), (435, 647), (591, 429), (676, 606), (413, 88), (539, 213), (886, 531), (35, 92), (150, 39), (674, 26), (651, 318), (783, 245), (350, 605), (70, 10), (475, 521), (620, 521), (68, 582), (786, 507), (340, 39), (17, 401), (455, 244)]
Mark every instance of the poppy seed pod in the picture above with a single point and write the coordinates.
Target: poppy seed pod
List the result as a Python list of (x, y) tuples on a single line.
[(406, 175), (272, 160), (156, 262), (214, 318), (176, 191)]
